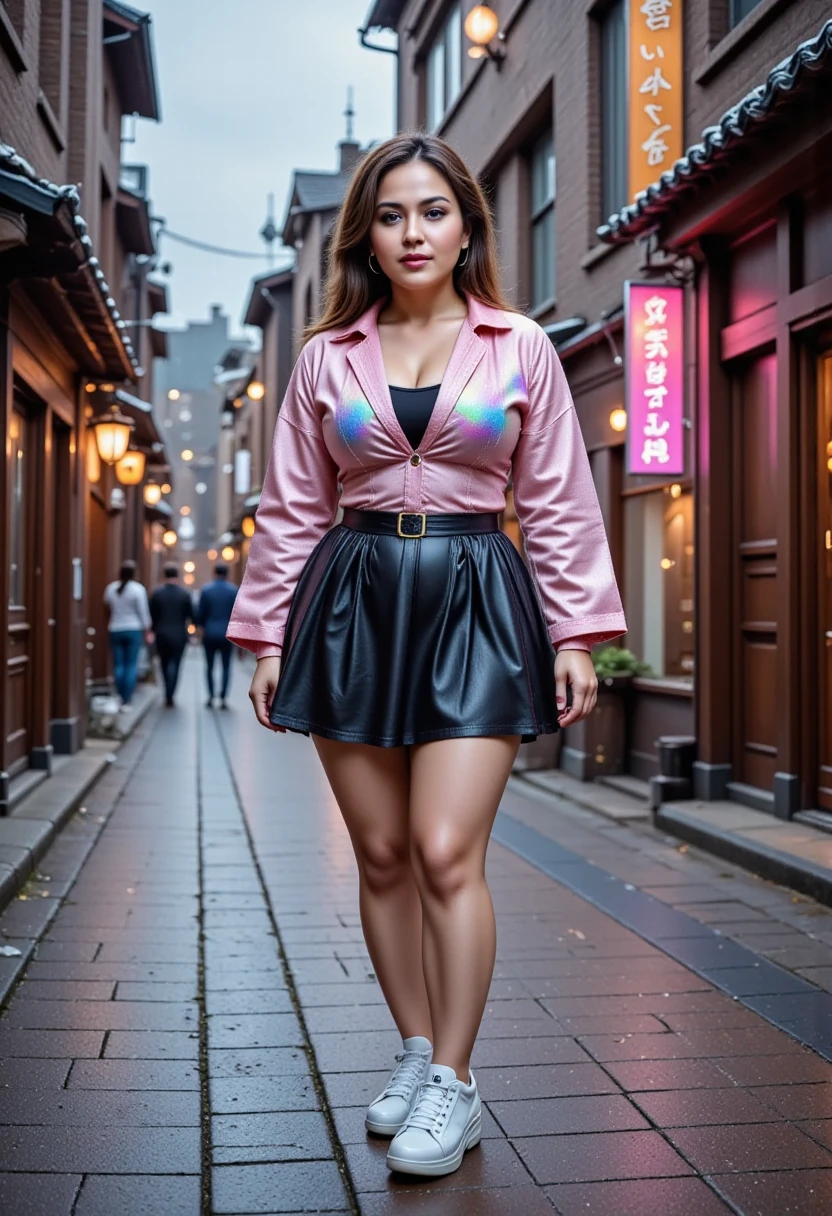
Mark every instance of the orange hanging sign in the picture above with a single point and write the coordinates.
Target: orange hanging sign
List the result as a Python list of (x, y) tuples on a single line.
[(655, 90)]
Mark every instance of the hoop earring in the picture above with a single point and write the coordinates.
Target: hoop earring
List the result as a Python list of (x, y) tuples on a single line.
[(467, 250), (372, 267)]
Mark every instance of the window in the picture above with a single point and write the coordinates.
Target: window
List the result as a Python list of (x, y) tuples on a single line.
[(542, 163), (613, 68), (658, 579), (740, 9), (444, 75)]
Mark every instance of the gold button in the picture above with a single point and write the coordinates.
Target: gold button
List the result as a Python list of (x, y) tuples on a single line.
[(415, 458)]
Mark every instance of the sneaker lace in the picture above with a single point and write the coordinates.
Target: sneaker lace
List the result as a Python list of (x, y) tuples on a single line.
[(431, 1109), (406, 1076)]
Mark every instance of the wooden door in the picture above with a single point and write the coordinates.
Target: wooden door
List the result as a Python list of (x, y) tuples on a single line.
[(21, 522), (823, 666), (755, 589)]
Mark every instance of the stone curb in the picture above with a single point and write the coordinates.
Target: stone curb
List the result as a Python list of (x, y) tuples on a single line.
[(783, 868), (27, 833)]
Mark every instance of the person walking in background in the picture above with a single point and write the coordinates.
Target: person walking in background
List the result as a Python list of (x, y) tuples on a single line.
[(129, 624), (213, 614), (172, 611)]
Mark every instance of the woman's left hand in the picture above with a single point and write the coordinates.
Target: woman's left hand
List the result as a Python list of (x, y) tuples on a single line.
[(575, 668)]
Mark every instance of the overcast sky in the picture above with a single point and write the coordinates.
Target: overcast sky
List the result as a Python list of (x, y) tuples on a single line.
[(250, 90)]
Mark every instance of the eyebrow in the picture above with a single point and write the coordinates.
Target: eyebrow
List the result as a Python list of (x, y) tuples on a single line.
[(436, 198)]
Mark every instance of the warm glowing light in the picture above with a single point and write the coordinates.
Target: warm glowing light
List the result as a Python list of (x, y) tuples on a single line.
[(184, 510), (238, 401), (93, 461), (618, 419), (169, 538), (174, 394), (107, 388), (228, 554), (212, 555), (187, 454), (256, 390), (829, 464), (248, 525), (166, 488), (130, 469), (829, 448), (481, 24), (192, 629), (676, 490), (89, 387), (667, 563), (152, 493), (188, 580), (189, 567), (112, 435)]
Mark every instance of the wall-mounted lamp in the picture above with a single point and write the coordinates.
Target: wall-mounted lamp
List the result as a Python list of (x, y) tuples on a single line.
[(130, 469), (152, 493), (169, 538), (618, 419), (482, 25), (248, 526), (256, 390), (112, 434)]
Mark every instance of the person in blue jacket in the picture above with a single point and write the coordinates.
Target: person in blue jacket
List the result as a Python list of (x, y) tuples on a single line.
[(213, 614)]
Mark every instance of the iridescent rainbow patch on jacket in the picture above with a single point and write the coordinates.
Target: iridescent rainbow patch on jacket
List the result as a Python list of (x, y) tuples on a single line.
[(353, 416), (484, 419)]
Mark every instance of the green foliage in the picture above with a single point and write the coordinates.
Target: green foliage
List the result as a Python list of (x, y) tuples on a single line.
[(616, 661)]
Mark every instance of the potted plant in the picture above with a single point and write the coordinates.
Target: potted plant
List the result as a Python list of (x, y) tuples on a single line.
[(597, 746)]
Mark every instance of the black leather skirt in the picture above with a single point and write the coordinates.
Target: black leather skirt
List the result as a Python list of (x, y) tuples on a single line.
[(393, 640)]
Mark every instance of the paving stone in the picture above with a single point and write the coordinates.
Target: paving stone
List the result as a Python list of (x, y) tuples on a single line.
[(249, 1095), (312, 1186), (528, 1200), (38, 1194), (250, 1001), (78, 1107), (257, 1062), (290, 1136), (254, 1030), (133, 1074), (562, 1116), (652, 1197), (602, 1156), (759, 1146), (140, 1195), (100, 1015), (50, 1044), (96, 1150), (787, 1193), (26, 1073)]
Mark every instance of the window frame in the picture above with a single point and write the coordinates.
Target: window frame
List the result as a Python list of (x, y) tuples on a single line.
[(443, 85), (736, 13), (543, 213), (613, 100)]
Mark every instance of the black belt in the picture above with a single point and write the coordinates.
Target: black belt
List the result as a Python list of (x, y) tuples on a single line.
[(413, 525)]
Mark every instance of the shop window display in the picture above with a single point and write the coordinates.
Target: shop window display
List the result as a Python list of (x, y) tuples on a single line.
[(658, 579)]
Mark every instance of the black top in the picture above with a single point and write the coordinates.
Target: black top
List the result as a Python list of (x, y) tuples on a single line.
[(171, 609), (414, 407)]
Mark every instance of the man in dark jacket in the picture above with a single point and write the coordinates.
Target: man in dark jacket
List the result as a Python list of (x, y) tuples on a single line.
[(213, 615), (171, 610)]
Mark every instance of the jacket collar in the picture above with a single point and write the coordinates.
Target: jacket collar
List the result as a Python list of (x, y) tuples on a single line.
[(365, 359), (480, 316)]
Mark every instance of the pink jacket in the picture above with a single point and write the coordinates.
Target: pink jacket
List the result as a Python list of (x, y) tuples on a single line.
[(503, 412)]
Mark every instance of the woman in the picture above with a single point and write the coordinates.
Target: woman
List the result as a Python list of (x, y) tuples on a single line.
[(414, 647), (129, 625)]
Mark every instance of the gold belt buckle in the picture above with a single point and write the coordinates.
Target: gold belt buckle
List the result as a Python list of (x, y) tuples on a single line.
[(412, 515)]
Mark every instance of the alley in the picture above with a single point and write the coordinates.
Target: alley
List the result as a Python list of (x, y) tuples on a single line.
[(198, 1027)]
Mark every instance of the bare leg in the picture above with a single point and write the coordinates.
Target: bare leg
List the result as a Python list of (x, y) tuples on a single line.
[(455, 790), (370, 785)]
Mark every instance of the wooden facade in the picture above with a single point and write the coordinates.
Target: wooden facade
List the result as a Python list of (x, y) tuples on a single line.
[(63, 93)]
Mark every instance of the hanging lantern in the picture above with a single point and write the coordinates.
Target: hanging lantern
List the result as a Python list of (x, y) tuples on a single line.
[(112, 434), (93, 461), (152, 493), (248, 526), (130, 469)]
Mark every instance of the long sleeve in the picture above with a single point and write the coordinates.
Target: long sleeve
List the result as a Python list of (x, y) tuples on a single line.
[(297, 506), (559, 515)]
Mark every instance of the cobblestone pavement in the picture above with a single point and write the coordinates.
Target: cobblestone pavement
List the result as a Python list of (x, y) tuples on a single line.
[(198, 1029)]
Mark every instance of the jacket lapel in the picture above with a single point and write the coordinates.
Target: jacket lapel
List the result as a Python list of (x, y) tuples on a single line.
[(465, 357), (367, 363)]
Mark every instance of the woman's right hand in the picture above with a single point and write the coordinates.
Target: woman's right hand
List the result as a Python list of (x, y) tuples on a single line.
[(263, 688)]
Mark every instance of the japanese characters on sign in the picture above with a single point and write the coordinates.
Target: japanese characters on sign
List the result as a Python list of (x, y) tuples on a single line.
[(655, 379), (656, 83)]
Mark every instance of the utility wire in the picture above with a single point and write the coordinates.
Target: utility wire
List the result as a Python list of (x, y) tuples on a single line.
[(206, 248)]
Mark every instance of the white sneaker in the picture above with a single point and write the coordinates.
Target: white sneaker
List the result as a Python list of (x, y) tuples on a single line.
[(445, 1122), (387, 1112)]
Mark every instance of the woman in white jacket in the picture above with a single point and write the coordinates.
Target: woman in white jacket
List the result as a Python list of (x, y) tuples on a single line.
[(130, 624)]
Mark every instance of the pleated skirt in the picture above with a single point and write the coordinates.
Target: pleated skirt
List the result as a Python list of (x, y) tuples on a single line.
[(395, 641)]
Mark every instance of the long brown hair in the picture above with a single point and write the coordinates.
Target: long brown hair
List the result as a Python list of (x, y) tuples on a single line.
[(351, 287)]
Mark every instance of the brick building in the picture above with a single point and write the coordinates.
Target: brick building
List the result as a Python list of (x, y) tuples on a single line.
[(543, 121), (75, 299)]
